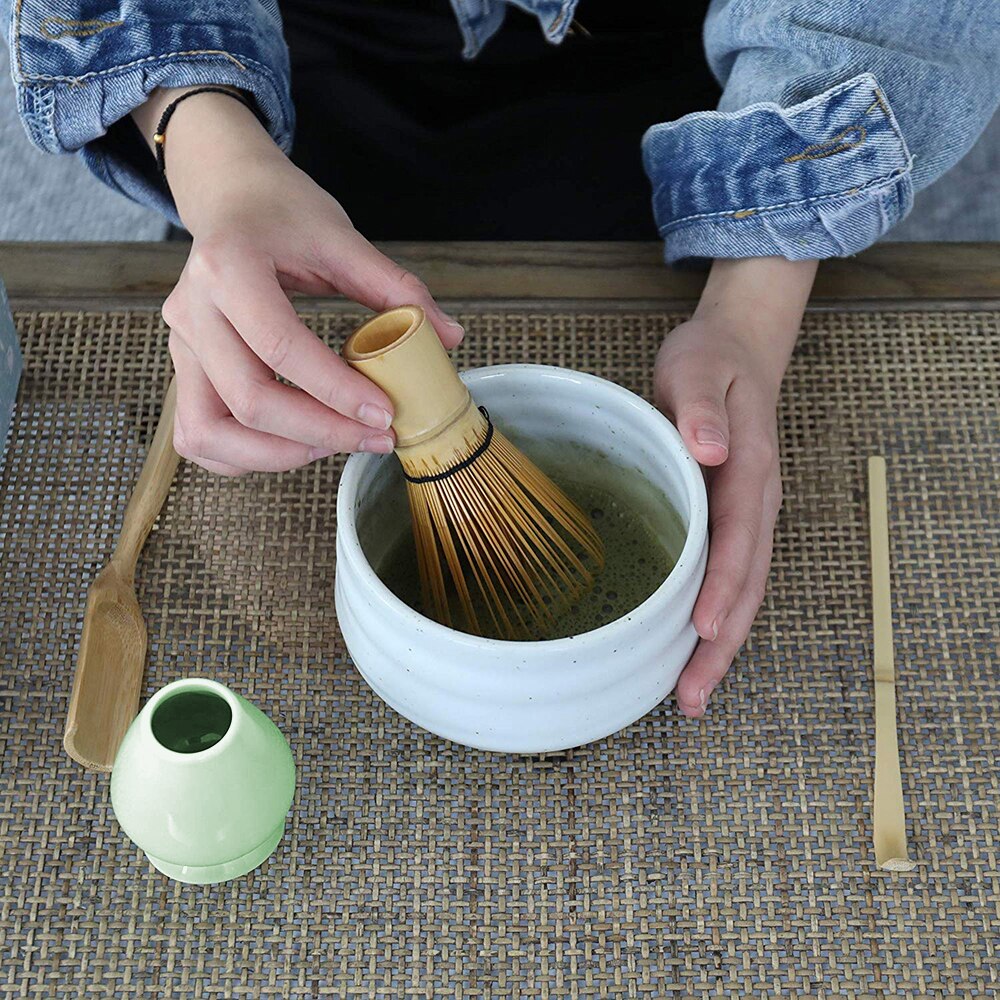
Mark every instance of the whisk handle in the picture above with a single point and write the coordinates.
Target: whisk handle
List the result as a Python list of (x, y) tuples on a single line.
[(401, 353)]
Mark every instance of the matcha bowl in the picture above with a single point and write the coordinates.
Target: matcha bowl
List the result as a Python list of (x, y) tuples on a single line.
[(532, 696)]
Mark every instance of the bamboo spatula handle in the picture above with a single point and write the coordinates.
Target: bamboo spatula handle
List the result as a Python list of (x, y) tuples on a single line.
[(151, 489), (889, 816)]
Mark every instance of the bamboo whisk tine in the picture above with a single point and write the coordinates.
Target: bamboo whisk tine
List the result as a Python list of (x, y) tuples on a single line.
[(486, 519)]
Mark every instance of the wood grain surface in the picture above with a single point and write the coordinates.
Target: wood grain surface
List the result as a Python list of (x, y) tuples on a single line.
[(134, 273)]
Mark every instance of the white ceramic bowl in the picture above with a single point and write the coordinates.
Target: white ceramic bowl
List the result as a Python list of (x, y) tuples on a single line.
[(531, 697)]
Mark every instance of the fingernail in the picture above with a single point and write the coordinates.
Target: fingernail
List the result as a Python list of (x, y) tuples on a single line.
[(317, 453), (380, 443), (717, 625), (375, 416), (695, 711), (711, 435)]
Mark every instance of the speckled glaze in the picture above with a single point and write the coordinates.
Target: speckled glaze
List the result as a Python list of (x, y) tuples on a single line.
[(532, 697)]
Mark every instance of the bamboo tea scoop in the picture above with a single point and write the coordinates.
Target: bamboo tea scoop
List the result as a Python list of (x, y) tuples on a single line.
[(109, 668), (889, 817)]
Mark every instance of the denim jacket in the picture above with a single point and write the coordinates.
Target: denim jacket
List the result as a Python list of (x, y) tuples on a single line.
[(833, 111)]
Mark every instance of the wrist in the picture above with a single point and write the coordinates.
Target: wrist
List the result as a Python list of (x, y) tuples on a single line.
[(759, 299), (205, 140), (148, 115)]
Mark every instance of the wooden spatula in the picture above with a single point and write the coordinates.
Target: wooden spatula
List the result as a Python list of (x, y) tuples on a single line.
[(109, 668)]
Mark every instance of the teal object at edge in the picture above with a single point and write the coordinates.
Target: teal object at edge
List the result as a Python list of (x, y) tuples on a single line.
[(10, 367), (202, 782)]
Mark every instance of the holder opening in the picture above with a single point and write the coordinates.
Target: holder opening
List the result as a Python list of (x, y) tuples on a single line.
[(191, 721), (383, 332)]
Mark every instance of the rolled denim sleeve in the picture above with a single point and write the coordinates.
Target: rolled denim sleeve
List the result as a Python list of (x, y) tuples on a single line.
[(832, 116), (80, 73)]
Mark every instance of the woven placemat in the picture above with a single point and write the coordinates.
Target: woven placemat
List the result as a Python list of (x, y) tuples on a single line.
[(730, 857)]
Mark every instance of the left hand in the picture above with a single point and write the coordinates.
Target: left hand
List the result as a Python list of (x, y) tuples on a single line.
[(717, 377)]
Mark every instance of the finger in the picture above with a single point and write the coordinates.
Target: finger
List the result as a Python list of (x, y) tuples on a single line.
[(366, 275), (258, 309), (205, 431), (736, 508), (258, 401), (219, 468), (696, 401), (185, 370), (712, 660)]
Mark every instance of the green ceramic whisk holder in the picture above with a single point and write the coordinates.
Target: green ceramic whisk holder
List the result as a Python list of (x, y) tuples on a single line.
[(202, 782)]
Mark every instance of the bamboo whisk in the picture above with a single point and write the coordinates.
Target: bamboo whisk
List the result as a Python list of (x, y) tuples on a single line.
[(505, 532)]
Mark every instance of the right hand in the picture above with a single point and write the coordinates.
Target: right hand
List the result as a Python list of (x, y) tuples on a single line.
[(261, 229)]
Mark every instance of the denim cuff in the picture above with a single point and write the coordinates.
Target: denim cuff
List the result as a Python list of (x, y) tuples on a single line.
[(480, 20), (824, 178)]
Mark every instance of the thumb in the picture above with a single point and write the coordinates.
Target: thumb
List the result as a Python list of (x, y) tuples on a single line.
[(367, 276), (698, 404)]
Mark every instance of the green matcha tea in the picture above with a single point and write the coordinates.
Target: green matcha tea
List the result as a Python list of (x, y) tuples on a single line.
[(642, 537)]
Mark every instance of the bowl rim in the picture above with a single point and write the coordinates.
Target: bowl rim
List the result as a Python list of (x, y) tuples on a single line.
[(349, 545)]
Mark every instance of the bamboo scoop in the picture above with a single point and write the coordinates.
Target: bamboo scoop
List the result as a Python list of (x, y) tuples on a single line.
[(504, 531), (889, 817), (109, 668)]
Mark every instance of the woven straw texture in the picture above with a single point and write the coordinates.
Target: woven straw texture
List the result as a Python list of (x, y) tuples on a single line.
[(729, 857)]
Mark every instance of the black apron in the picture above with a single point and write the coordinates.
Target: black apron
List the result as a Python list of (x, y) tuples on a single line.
[(529, 140)]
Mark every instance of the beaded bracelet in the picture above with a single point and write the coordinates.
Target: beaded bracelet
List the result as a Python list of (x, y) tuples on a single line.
[(160, 136)]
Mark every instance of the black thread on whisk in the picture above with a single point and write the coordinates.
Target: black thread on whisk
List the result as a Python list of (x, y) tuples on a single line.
[(465, 463)]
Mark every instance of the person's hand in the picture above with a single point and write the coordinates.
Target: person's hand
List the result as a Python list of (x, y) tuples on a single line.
[(262, 228), (717, 377)]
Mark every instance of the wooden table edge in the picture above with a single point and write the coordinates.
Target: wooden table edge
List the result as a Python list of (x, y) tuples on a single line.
[(627, 274)]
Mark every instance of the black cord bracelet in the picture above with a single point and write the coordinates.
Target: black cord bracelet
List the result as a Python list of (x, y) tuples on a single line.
[(160, 136)]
